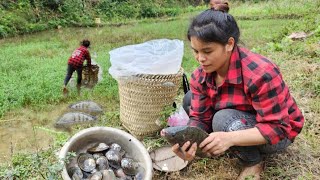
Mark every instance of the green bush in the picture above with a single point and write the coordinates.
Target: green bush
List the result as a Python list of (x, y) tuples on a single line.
[(4, 31), (170, 11), (27, 16), (149, 10), (104, 8), (35, 27), (12, 23), (52, 4), (124, 9)]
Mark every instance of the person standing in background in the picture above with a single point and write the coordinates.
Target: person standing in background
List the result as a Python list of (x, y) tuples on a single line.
[(75, 63)]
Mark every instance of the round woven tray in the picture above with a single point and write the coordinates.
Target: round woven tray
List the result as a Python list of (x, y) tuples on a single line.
[(143, 98)]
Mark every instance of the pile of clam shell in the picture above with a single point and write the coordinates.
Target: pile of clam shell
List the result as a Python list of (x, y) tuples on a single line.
[(105, 162)]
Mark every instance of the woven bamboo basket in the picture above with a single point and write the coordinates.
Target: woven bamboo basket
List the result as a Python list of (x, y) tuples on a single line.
[(143, 98), (90, 78)]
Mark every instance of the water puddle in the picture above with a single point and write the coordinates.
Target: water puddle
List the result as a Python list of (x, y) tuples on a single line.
[(25, 138), (25, 131)]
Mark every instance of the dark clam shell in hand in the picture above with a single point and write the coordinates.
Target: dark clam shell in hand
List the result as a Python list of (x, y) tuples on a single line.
[(182, 134)]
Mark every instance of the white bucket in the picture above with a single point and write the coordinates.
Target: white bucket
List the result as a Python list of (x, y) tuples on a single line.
[(83, 139)]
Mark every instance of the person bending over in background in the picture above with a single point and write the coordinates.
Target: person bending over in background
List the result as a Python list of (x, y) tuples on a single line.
[(237, 96), (75, 63)]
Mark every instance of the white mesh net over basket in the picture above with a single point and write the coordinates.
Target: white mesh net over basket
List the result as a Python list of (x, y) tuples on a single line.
[(143, 98)]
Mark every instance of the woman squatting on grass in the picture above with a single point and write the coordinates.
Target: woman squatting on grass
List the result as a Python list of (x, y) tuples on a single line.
[(75, 63), (237, 96)]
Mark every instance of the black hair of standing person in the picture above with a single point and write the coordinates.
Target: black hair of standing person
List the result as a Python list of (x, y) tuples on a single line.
[(85, 43), (215, 25)]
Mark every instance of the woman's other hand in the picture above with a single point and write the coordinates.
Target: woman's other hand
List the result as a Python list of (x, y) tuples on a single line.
[(216, 143), (185, 152)]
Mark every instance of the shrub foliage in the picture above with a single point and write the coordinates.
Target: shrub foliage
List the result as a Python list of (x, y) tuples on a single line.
[(25, 16)]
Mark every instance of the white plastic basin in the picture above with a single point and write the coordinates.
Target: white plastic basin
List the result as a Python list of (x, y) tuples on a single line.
[(84, 138)]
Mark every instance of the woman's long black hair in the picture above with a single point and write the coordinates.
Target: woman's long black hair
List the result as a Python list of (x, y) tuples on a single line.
[(214, 25)]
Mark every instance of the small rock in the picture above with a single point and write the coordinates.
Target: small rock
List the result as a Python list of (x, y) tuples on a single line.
[(298, 36)]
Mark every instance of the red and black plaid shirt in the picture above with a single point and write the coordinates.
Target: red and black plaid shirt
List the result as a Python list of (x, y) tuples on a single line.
[(78, 56), (253, 84)]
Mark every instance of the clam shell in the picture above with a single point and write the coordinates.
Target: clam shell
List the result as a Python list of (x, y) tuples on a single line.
[(114, 158), (86, 175), (96, 176), (115, 147), (108, 174), (86, 162), (75, 172), (97, 155), (119, 173), (76, 177), (98, 148), (122, 153), (182, 134), (129, 166), (102, 163)]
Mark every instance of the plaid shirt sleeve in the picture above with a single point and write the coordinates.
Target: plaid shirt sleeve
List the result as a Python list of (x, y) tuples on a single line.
[(271, 99), (201, 111)]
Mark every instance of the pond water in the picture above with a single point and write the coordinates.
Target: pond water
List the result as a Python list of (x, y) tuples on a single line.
[(20, 132), (17, 138)]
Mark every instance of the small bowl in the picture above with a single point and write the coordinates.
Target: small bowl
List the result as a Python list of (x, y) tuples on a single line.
[(165, 160), (86, 138)]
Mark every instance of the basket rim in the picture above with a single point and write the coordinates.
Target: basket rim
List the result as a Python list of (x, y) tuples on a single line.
[(92, 66), (179, 73)]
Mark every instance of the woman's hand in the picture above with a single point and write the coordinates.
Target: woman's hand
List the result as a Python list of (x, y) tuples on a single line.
[(216, 143), (183, 153)]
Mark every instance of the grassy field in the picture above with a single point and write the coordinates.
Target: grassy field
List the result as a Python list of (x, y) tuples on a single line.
[(33, 68)]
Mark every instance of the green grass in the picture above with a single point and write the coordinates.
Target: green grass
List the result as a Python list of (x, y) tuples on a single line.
[(274, 8), (33, 68), (267, 30)]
